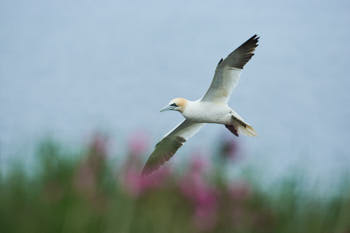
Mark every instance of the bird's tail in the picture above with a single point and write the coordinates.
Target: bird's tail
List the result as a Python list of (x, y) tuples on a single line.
[(239, 126), (247, 130)]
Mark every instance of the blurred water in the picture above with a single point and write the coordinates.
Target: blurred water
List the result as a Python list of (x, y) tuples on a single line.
[(71, 67)]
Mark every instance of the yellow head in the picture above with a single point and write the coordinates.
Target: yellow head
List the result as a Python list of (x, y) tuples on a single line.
[(177, 104)]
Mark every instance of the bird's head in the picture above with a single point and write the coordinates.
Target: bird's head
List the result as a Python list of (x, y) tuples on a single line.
[(177, 104)]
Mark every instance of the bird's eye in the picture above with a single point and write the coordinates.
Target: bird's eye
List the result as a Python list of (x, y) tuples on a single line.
[(173, 104)]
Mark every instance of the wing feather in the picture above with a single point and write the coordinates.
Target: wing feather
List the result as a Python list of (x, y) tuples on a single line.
[(171, 142), (228, 71)]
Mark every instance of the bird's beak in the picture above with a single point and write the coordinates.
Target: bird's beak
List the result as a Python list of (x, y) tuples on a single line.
[(167, 108)]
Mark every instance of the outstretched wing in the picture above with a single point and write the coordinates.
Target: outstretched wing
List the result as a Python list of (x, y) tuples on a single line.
[(228, 71), (171, 142)]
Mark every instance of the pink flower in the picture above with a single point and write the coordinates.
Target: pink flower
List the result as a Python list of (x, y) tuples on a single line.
[(193, 182), (198, 191), (156, 179)]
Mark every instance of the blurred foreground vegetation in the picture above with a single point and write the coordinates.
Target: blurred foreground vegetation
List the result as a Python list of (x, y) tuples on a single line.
[(85, 193)]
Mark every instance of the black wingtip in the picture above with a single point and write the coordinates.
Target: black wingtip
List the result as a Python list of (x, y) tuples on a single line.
[(149, 169), (253, 40), (254, 37), (146, 171), (246, 51)]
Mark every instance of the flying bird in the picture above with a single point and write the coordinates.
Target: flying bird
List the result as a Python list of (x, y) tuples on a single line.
[(211, 108)]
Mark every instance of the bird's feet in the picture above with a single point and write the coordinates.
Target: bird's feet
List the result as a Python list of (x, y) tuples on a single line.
[(232, 129)]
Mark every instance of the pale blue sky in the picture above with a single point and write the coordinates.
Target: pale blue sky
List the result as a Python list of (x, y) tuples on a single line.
[(70, 67)]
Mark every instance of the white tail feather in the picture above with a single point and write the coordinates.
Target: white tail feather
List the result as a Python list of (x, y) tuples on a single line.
[(248, 130)]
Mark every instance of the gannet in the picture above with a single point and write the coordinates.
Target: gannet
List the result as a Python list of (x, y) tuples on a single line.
[(211, 108)]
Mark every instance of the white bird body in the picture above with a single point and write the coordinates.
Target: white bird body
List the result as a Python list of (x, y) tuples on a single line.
[(211, 108), (208, 112)]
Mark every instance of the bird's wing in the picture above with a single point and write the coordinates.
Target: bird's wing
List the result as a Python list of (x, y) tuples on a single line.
[(171, 142), (228, 71)]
